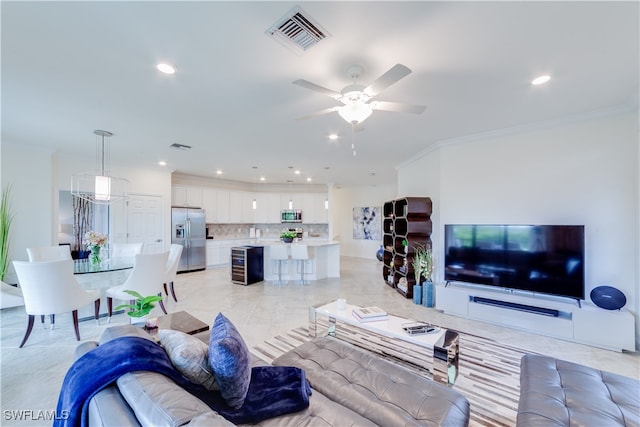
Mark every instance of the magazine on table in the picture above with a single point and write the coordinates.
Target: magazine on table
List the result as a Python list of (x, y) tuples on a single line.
[(370, 314), (366, 312)]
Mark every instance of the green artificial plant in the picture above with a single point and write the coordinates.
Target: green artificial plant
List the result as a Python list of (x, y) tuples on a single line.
[(141, 306), (6, 217), (287, 234), (422, 263)]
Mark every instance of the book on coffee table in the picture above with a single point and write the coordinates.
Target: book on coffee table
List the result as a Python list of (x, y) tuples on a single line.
[(370, 314)]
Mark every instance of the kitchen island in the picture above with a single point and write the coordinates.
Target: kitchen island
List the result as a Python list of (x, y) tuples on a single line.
[(324, 257), (324, 261)]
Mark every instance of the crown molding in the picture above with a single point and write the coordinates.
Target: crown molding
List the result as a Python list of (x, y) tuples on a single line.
[(628, 107)]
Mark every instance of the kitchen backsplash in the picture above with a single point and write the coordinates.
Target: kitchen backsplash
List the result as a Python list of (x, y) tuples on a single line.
[(267, 231)]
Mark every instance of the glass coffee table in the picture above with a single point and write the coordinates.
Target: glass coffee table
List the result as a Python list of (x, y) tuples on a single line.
[(433, 355)]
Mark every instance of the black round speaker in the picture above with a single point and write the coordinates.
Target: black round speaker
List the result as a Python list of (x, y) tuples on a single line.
[(608, 297)]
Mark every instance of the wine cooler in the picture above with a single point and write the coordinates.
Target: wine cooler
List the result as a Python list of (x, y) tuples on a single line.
[(247, 264)]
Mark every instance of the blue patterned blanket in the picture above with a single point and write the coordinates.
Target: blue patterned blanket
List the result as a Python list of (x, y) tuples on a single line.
[(273, 390)]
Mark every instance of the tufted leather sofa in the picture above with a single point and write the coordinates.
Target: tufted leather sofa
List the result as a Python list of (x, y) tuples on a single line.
[(558, 393), (351, 387)]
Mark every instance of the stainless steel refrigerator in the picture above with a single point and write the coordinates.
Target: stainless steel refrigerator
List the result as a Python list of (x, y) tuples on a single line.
[(188, 229)]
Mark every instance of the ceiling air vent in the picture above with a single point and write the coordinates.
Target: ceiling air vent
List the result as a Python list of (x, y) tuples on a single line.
[(180, 146), (297, 31)]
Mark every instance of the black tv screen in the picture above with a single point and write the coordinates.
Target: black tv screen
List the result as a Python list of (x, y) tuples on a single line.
[(538, 258)]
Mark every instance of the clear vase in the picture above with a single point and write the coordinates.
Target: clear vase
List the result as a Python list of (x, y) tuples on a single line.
[(95, 255), (427, 293)]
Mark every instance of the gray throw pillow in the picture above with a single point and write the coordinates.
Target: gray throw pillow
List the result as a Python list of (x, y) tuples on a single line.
[(230, 361), (189, 355)]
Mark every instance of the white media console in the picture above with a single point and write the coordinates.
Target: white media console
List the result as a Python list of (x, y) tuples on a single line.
[(540, 314)]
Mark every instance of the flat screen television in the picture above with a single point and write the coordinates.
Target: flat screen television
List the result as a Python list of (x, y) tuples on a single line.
[(546, 259)]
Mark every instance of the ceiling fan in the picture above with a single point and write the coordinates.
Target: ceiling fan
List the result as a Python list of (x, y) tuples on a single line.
[(358, 101)]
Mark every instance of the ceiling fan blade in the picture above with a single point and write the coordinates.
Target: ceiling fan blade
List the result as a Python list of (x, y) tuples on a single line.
[(308, 85), (319, 113), (397, 107), (396, 72)]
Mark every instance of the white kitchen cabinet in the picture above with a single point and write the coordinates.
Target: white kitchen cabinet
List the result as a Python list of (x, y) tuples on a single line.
[(218, 252), (295, 199), (273, 208), (223, 214), (321, 211), (235, 207), (246, 207), (183, 195), (209, 204), (261, 212), (309, 208)]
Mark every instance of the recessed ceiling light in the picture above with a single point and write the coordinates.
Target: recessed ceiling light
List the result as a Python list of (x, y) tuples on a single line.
[(219, 172), (161, 163), (309, 179), (262, 178), (333, 136), (541, 79), (166, 68), (297, 172)]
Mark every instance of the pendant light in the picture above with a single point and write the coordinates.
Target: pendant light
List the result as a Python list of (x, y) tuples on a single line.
[(100, 187)]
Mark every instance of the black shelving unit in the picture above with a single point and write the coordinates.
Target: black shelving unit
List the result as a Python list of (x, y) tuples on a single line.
[(406, 225)]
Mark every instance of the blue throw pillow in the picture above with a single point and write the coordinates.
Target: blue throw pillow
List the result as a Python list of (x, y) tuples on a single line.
[(230, 362)]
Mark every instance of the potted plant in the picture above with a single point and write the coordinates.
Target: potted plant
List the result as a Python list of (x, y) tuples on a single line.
[(422, 268), (141, 307), (287, 236), (6, 217)]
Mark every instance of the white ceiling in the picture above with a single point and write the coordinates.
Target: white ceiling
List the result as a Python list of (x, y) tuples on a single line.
[(71, 67)]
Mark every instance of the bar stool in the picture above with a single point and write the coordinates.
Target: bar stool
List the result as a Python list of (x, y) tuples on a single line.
[(279, 253), (300, 253)]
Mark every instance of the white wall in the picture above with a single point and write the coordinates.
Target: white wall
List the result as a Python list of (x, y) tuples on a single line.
[(579, 173), (341, 204), (28, 171)]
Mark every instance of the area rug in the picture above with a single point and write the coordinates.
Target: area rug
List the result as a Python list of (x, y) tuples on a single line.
[(489, 374)]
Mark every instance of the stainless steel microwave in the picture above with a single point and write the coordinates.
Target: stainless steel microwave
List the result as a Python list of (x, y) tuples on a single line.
[(291, 215)]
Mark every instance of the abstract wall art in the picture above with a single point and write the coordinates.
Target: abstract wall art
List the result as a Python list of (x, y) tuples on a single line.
[(367, 223)]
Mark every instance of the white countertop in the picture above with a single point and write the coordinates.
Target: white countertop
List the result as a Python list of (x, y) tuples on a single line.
[(270, 242)]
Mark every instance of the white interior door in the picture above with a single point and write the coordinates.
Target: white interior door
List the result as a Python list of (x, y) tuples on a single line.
[(144, 222)]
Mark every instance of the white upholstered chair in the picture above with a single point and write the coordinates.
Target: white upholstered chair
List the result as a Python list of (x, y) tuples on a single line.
[(49, 253), (175, 252), (49, 287), (146, 278), (117, 250)]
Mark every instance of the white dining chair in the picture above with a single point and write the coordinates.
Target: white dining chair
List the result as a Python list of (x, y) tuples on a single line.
[(175, 252), (280, 254), (146, 278), (118, 250), (49, 287), (49, 253)]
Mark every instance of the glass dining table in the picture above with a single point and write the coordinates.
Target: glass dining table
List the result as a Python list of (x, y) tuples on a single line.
[(102, 276), (85, 266)]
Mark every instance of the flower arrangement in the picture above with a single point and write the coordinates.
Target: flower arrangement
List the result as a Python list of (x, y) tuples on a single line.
[(94, 241), (93, 238), (422, 262)]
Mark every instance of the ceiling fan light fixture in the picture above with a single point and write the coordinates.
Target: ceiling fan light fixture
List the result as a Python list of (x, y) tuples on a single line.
[(355, 112)]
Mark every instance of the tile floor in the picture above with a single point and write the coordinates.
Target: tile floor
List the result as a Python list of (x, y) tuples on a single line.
[(31, 376)]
